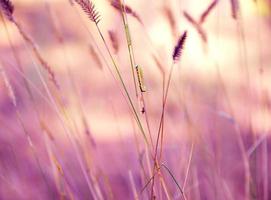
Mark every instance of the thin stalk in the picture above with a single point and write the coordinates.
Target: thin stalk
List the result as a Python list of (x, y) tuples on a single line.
[(118, 75), (231, 112), (60, 38), (243, 53), (123, 85), (13, 99), (133, 185), (43, 63), (69, 134), (129, 44), (79, 104), (58, 169), (67, 131), (133, 64), (239, 137), (20, 67), (156, 162), (175, 181), (188, 165)]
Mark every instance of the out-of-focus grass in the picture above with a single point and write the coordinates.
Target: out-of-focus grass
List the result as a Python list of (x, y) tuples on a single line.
[(211, 96)]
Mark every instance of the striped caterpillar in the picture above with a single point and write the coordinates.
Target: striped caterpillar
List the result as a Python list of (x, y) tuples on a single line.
[(140, 78)]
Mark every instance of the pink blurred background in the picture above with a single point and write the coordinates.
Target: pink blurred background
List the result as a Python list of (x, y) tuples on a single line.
[(218, 85)]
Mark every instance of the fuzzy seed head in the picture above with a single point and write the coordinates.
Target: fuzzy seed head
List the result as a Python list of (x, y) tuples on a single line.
[(7, 8), (179, 47)]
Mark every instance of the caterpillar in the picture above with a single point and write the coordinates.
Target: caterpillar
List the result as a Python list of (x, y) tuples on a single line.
[(140, 78)]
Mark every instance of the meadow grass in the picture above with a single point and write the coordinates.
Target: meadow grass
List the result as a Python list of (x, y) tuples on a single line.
[(194, 163)]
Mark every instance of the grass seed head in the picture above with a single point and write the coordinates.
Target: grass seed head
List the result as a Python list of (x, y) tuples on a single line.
[(7, 8), (179, 47)]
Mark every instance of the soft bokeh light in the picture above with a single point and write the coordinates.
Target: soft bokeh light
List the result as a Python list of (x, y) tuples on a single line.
[(83, 139)]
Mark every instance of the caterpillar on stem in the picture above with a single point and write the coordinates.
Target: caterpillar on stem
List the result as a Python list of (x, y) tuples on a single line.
[(141, 83)]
